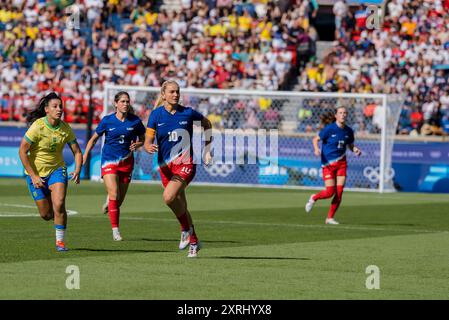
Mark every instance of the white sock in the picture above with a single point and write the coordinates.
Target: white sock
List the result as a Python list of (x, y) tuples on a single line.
[(115, 231), (60, 232)]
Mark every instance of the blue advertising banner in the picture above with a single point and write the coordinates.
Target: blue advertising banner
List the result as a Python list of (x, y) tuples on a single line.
[(417, 167), (10, 138)]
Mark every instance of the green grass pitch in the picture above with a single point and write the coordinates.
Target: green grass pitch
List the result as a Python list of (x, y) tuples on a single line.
[(257, 244)]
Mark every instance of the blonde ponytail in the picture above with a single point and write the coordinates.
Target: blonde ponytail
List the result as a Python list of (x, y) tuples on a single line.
[(164, 85), (158, 102)]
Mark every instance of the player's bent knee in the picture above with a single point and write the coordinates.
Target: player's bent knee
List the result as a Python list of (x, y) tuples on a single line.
[(168, 198), (47, 215), (59, 207), (113, 195), (331, 192)]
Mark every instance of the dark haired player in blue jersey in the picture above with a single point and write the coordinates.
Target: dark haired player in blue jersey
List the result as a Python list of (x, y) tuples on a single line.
[(171, 124), (336, 136), (124, 133)]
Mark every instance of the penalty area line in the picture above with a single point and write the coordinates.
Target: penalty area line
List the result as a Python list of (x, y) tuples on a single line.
[(287, 225), (18, 214)]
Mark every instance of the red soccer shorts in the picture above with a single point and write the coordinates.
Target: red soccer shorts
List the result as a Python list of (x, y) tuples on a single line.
[(124, 169), (185, 171), (335, 169)]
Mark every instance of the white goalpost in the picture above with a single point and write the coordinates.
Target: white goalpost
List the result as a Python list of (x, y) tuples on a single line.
[(292, 118)]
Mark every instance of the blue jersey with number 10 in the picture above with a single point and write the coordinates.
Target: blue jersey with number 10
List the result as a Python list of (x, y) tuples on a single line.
[(334, 143), (173, 131), (118, 137)]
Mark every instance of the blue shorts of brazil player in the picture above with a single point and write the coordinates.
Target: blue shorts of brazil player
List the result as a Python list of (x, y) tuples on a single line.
[(59, 175)]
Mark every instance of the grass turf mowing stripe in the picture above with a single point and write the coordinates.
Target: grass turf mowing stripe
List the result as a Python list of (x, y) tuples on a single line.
[(411, 267)]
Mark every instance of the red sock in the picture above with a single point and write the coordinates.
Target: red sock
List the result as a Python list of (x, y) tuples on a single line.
[(324, 194), (114, 212), (184, 221), (193, 237), (335, 202)]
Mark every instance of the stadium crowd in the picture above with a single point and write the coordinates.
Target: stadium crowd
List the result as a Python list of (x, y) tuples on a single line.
[(408, 55), (245, 44), (48, 45)]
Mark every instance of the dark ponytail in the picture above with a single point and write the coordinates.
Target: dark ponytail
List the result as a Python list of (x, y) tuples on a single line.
[(327, 118), (39, 112)]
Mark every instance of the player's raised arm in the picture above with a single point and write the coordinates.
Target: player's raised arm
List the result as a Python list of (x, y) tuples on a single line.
[(207, 126), (90, 144), (137, 144), (316, 147), (149, 145), (23, 155), (355, 149), (76, 150)]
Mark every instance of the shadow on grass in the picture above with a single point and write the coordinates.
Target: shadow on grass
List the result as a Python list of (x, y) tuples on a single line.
[(256, 258), (392, 224), (117, 250), (177, 240)]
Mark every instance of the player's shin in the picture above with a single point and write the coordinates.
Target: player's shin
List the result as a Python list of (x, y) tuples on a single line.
[(114, 213), (335, 202)]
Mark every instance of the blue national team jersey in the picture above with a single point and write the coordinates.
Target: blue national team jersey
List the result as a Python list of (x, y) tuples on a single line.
[(173, 131), (334, 142), (118, 136)]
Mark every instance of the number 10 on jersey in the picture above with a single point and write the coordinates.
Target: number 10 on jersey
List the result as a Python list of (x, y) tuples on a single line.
[(172, 136)]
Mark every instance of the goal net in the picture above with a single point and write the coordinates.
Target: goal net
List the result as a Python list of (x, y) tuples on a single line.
[(264, 138)]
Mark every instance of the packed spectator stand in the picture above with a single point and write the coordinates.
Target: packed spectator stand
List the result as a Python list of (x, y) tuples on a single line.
[(254, 45), (409, 55), (57, 45)]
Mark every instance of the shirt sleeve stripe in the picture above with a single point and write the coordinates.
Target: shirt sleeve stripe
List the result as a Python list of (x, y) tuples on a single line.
[(151, 132), (28, 139)]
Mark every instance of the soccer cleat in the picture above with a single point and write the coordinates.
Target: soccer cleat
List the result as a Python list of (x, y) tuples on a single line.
[(185, 239), (309, 204), (116, 236), (331, 221), (60, 246), (193, 250), (105, 208)]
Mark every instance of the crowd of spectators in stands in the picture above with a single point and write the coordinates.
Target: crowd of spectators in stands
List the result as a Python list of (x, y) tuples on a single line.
[(64, 45), (408, 54)]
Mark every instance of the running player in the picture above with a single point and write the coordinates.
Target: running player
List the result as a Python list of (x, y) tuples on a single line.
[(124, 133), (336, 136), (172, 126), (41, 155)]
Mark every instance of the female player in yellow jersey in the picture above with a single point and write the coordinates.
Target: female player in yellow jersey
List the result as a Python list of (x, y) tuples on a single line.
[(41, 155)]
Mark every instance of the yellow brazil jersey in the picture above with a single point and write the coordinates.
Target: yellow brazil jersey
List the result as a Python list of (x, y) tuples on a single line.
[(47, 143)]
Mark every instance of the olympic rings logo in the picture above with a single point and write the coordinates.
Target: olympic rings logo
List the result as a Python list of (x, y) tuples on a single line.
[(373, 174), (220, 169)]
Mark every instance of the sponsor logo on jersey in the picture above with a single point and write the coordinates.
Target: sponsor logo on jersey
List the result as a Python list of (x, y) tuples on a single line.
[(183, 122), (129, 129)]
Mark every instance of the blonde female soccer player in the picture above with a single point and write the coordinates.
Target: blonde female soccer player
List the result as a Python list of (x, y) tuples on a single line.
[(171, 124)]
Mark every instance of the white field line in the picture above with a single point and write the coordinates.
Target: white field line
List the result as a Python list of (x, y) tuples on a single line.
[(9, 214), (267, 224)]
